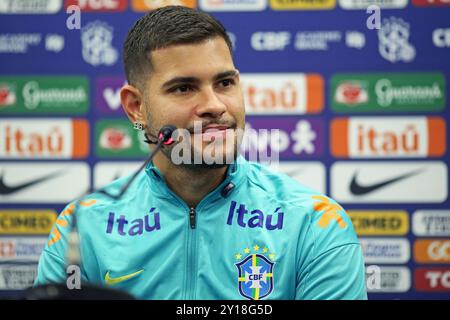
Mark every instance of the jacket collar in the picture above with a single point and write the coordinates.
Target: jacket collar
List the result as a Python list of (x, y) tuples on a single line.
[(235, 174)]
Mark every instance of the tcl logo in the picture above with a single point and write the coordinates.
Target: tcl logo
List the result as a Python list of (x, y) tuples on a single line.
[(98, 5), (435, 279), (432, 251), (441, 38)]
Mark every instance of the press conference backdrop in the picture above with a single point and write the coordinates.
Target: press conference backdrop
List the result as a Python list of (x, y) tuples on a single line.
[(362, 111)]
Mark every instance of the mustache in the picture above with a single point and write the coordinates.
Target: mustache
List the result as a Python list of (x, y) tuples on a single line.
[(228, 123)]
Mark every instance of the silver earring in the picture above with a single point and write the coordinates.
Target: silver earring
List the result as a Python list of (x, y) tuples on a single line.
[(138, 126)]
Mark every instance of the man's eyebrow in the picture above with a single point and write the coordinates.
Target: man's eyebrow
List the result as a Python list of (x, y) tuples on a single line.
[(187, 80), (179, 80), (226, 74)]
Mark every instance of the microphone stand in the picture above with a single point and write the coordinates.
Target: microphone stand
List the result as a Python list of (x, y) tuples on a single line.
[(60, 291)]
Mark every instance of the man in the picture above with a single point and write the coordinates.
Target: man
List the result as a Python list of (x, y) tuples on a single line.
[(202, 230)]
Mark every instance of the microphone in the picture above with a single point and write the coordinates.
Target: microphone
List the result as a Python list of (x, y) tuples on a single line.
[(164, 139), (60, 291), (165, 133)]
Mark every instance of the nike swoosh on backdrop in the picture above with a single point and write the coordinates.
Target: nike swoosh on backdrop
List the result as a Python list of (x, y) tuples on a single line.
[(359, 190), (117, 175), (7, 190), (293, 172), (112, 281)]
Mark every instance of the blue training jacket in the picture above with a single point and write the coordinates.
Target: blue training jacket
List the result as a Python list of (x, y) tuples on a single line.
[(258, 235)]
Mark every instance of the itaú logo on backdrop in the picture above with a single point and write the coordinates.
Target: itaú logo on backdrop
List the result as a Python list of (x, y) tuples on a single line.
[(232, 5), (283, 93), (372, 137), (44, 138)]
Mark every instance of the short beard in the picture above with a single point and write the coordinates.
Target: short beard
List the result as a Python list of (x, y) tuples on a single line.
[(193, 166)]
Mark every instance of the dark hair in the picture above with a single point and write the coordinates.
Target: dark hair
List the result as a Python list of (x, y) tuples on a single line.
[(164, 27)]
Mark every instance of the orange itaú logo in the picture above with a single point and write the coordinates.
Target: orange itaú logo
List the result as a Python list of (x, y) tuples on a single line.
[(62, 222), (331, 212)]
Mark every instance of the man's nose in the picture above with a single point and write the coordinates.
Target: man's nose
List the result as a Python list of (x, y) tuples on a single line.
[(210, 104)]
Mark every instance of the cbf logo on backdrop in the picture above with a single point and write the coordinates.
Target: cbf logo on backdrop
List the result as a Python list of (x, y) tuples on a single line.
[(96, 40), (393, 43), (255, 279)]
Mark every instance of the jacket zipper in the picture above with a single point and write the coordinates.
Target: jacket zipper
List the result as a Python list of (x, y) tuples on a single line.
[(191, 258), (191, 266), (192, 217)]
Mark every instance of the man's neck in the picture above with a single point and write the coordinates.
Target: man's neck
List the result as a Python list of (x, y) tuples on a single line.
[(191, 185)]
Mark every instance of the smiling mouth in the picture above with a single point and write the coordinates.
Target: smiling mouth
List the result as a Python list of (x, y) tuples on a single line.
[(216, 133), (211, 129), (209, 132)]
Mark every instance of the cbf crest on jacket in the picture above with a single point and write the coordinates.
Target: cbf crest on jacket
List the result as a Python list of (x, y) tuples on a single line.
[(258, 235)]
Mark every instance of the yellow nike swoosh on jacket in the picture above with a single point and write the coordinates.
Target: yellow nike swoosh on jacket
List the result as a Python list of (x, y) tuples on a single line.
[(112, 281)]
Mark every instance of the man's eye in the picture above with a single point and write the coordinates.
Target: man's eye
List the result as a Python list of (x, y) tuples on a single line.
[(227, 82), (181, 89)]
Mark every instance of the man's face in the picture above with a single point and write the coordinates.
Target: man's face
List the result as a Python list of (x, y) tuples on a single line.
[(197, 85)]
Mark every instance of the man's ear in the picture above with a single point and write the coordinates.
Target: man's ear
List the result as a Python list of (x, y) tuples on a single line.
[(133, 103)]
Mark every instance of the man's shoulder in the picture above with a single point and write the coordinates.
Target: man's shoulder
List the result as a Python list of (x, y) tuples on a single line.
[(109, 193), (328, 222), (278, 183), (106, 197), (267, 184), (91, 210)]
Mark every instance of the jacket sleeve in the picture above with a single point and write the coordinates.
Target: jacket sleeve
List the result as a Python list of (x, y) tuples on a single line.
[(51, 269), (330, 259), (52, 264), (337, 274)]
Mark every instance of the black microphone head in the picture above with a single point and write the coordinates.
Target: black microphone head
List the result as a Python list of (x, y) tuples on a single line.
[(165, 134)]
